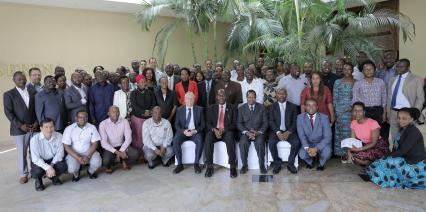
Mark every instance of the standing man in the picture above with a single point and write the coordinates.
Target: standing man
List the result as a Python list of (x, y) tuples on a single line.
[(405, 90), (135, 67), (282, 125), (80, 142), (35, 79), (294, 85), (252, 123), (232, 89), (260, 62), (361, 58), (235, 64), (221, 126), (152, 62), (189, 125), (208, 65), (315, 135), (19, 108), (308, 69), (389, 59), (239, 74), (206, 94), (172, 79), (157, 138), (49, 103), (75, 96), (252, 84), (339, 67), (101, 96), (47, 155), (116, 137), (122, 98), (328, 77)]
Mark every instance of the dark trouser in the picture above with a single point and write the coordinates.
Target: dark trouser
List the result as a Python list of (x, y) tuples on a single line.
[(109, 157), (376, 113), (180, 138), (228, 138), (293, 140), (38, 172), (259, 144)]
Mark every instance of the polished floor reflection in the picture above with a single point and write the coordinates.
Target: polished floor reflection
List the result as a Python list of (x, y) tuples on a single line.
[(338, 188)]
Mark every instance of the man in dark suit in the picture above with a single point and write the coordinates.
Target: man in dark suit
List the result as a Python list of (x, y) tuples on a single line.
[(282, 125), (49, 103), (189, 124), (75, 96), (233, 91), (206, 93), (252, 123), (221, 124), (172, 79), (19, 108)]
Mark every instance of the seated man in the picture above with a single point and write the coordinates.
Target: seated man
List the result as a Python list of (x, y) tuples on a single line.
[(80, 142), (189, 124), (252, 123), (221, 124), (116, 137), (157, 138), (315, 135), (47, 155), (282, 124)]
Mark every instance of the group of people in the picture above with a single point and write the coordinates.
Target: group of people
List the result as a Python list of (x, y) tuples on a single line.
[(144, 115)]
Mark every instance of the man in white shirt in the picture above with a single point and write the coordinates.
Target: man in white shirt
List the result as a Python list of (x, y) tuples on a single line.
[(80, 141), (122, 98), (157, 138), (252, 84), (47, 155), (361, 57), (294, 85), (152, 62), (239, 74)]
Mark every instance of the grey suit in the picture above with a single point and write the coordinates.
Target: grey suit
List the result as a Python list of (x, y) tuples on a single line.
[(320, 137), (73, 102), (258, 121)]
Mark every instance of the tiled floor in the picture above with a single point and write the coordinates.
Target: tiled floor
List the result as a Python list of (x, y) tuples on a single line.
[(338, 188)]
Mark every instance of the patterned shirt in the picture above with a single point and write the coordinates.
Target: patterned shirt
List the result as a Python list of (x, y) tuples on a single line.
[(269, 91), (371, 94)]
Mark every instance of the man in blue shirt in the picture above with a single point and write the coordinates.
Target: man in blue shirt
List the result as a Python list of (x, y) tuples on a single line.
[(101, 96)]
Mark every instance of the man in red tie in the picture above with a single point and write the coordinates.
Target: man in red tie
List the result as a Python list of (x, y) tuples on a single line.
[(221, 124)]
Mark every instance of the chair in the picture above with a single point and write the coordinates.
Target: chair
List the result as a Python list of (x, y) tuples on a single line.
[(283, 152), (188, 153), (220, 154)]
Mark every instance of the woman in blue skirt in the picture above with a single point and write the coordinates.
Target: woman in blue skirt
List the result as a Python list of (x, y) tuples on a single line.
[(405, 167)]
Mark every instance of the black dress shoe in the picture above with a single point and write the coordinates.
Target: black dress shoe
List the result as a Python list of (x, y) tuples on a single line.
[(56, 181), (365, 177), (178, 169), (197, 168), (320, 168), (244, 169), (233, 173), (277, 169), (92, 176), (151, 165), (39, 184), (263, 169), (292, 169), (309, 166), (209, 171), (76, 178)]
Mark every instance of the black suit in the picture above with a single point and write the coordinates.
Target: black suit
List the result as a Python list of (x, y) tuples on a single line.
[(233, 91), (73, 102), (275, 117), (230, 120), (202, 94), (180, 125), (258, 121), (17, 112)]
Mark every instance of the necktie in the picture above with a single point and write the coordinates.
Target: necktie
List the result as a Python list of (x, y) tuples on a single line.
[(220, 124), (282, 126), (311, 119), (251, 109), (208, 91), (395, 92), (128, 106), (188, 118)]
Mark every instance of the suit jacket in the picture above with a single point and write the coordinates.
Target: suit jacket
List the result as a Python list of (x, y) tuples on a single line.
[(176, 80), (17, 112), (73, 102), (231, 117), (181, 119), (202, 94), (320, 136), (167, 104), (258, 120), (232, 91), (51, 104), (291, 112), (180, 92), (412, 90)]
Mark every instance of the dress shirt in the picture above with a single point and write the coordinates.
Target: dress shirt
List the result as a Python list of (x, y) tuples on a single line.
[(82, 93), (25, 95), (294, 87), (401, 99), (157, 134), (115, 134), (255, 85), (80, 138), (43, 149), (191, 124), (371, 94), (357, 74)]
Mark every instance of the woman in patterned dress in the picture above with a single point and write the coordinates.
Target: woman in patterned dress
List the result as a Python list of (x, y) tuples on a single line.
[(342, 102), (405, 166)]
